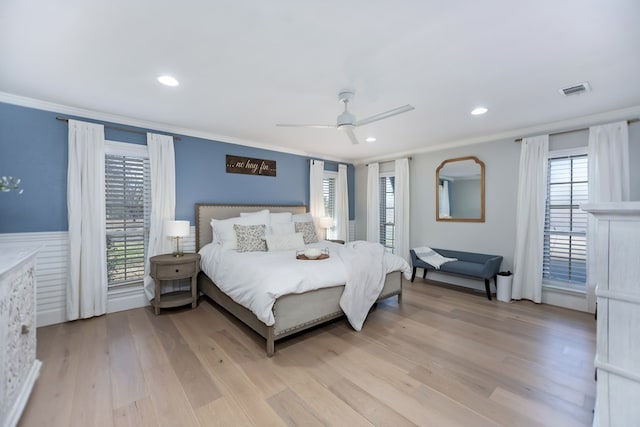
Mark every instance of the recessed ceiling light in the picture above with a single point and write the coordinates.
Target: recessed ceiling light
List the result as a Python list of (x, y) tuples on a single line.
[(168, 80), (370, 139), (479, 110)]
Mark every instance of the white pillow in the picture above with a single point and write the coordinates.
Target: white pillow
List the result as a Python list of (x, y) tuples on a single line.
[(226, 235), (284, 242), (262, 212), (305, 217), (280, 217), (282, 228)]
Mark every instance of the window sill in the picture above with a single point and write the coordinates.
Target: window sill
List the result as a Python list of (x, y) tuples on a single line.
[(565, 289)]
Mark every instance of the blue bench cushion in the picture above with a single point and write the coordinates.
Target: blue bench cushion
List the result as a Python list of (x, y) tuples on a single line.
[(464, 268)]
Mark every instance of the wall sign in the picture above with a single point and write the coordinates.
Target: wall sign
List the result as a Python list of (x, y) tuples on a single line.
[(250, 166)]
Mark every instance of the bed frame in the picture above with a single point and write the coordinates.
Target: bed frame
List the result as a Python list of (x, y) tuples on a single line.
[(294, 312)]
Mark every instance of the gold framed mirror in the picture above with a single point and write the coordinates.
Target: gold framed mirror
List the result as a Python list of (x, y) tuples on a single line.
[(460, 190)]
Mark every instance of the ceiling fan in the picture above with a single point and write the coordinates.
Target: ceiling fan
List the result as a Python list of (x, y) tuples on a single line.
[(347, 121)]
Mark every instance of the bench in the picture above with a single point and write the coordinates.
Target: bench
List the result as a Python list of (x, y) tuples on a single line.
[(469, 264)]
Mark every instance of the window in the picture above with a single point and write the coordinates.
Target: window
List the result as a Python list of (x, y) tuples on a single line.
[(387, 212), (128, 204), (565, 235), (329, 196)]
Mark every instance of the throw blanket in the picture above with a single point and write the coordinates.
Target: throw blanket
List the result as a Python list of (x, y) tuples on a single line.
[(430, 256), (365, 266)]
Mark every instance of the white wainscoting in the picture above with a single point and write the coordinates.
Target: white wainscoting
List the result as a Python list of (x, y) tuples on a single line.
[(51, 275), (51, 272)]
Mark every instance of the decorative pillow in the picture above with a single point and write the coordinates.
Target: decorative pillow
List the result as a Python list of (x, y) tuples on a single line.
[(308, 230), (226, 235), (305, 217), (280, 217), (283, 242), (282, 228), (250, 237)]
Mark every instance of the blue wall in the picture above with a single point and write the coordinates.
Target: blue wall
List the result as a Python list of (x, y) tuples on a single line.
[(33, 147)]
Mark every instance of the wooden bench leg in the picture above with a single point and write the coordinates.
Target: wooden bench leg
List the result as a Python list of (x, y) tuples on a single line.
[(487, 286), (424, 274), (413, 275)]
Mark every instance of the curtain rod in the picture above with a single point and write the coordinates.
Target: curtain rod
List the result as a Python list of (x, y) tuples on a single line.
[(392, 160), (578, 130), (66, 119)]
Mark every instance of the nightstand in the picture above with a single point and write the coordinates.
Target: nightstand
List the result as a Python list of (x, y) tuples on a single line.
[(169, 267)]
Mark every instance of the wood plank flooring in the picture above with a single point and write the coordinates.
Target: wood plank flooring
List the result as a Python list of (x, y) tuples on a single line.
[(443, 357)]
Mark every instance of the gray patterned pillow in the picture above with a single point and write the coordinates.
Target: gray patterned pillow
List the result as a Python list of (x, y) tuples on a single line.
[(250, 237), (308, 230)]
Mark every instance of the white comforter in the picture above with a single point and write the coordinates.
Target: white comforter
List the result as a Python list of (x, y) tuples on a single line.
[(256, 279)]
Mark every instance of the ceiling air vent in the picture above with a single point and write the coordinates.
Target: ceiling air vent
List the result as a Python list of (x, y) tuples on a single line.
[(575, 89)]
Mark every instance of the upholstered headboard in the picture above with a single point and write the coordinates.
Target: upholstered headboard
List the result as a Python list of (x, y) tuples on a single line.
[(206, 211)]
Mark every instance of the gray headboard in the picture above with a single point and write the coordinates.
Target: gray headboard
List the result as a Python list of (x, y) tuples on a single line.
[(206, 211)]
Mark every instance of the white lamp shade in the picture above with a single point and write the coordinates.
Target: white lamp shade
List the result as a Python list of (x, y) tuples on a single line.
[(325, 222), (177, 228)]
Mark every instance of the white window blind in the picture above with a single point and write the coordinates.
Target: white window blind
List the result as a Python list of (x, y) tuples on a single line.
[(387, 212), (329, 196), (128, 204), (565, 236)]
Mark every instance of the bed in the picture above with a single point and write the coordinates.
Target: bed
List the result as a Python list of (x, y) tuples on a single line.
[(292, 313)]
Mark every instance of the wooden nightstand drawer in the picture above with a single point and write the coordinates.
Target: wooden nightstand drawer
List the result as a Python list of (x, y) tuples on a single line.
[(177, 271)]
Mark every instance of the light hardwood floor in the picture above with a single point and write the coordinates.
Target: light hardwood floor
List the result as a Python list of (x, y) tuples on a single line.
[(443, 357)]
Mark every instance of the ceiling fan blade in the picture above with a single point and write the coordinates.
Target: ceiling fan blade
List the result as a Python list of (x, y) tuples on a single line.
[(287, 125), (385, 115), (351, 135)]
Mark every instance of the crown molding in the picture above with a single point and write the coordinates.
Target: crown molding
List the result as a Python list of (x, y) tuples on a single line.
[(38, 104), (548, 128)]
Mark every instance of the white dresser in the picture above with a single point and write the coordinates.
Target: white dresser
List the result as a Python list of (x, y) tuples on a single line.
[(19, 367), (617, 360)]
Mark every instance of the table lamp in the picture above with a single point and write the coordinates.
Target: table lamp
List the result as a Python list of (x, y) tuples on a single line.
[(177, 229), (325, 222)]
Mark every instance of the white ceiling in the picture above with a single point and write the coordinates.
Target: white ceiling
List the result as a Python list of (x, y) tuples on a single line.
[(246, 65)]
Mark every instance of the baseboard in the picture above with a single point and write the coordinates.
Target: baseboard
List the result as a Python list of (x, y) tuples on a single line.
[(570, 300), (51, 317), (127, 301)]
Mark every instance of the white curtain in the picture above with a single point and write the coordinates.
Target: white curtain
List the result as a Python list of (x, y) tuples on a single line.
[(373, 203), (316, 198), (445, 207), (342, 205), (532, 189), (87, 283), (163, 200), (402, 207), (608, 155)]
